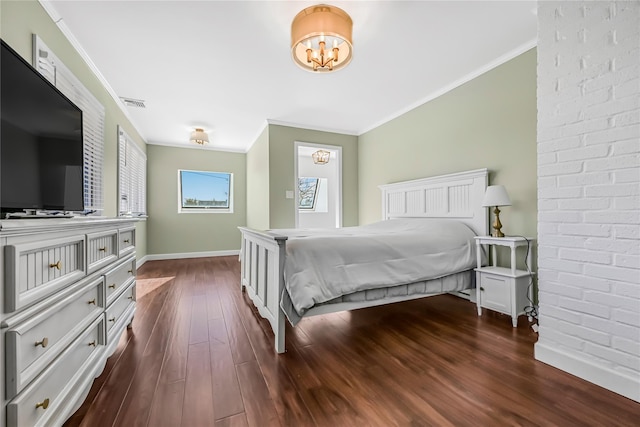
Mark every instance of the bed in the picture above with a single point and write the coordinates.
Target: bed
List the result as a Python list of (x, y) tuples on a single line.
[(279, 266)]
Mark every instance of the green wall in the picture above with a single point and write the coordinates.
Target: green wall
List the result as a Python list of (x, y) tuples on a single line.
[(489, 122), (171, 232), (282, 177), (258, 182), (19, 20)]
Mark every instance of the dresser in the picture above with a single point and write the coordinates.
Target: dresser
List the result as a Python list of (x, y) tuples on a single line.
[(68, 293)]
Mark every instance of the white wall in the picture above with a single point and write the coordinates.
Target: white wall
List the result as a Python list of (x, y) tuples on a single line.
[(322, 217), (588, 191)]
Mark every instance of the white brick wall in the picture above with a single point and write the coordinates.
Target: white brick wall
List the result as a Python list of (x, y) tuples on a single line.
[(589, 190)]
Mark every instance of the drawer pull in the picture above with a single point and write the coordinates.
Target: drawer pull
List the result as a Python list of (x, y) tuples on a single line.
[(102, 249), (43, 343), (481, 288), (130, 271), (130, 297), (57, 265), (113, 319), (93, 343), (125, 241), (112, 286), (44, 404), (93, 301)]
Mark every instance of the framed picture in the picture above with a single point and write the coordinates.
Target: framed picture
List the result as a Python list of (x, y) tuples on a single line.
[(308, 190)]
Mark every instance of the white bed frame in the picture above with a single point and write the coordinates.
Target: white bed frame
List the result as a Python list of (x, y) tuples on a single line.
[(456, 196)]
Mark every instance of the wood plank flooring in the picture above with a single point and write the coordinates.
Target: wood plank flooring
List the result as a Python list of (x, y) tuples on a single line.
[(200, 355)]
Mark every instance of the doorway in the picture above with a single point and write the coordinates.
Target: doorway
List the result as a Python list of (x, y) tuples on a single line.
[(318, 187)]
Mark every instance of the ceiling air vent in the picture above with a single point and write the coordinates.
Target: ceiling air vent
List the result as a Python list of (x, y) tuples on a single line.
[(130, 102)]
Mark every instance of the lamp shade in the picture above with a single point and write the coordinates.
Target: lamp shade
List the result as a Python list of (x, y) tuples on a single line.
[(321, 38), (496, 195), (199, 136)]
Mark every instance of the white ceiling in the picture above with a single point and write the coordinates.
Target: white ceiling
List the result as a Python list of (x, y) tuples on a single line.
[(226, 65)]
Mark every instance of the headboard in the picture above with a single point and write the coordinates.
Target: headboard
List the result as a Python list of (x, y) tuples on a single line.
[(456, 195)]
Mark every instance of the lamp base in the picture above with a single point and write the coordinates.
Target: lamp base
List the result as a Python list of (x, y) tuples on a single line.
[(497, 225)]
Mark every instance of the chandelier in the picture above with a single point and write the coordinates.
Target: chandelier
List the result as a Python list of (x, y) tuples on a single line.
[(321, 157), (321, 38), (199, 136)]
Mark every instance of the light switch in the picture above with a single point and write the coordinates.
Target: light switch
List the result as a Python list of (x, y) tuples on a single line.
[(288, 194)]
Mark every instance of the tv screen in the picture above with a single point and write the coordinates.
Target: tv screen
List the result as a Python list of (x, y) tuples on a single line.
[(41, 150)]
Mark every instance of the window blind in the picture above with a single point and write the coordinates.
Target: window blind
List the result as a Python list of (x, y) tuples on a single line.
[(93, 120), (132, 176)]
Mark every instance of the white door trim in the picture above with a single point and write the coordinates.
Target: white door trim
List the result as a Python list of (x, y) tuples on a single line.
[(334, 149)]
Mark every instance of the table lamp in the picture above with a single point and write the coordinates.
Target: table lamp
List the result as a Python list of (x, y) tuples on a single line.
[(496, 195)]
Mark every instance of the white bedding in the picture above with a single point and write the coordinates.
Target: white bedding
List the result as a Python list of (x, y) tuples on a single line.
[(324, 264)]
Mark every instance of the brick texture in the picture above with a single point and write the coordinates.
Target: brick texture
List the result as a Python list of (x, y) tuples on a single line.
[(589, 181)]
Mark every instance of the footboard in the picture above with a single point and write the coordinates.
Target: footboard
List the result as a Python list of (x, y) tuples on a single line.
[(262, 263)]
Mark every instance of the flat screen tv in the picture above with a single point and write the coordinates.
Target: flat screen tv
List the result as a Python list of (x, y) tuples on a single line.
[(41, 150)]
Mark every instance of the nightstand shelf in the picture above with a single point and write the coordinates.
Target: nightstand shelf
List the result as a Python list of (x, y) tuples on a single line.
[(503, 289)]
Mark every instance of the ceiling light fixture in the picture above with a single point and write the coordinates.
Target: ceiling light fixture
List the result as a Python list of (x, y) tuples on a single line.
[(321, 157), (199, 136), (321, 38)]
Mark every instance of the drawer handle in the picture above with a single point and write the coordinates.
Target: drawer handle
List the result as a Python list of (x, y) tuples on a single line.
[(102, 249), (481, 288), (126, 240), (43, 343), (93, 343), (57, 265), (44, 404), (113, 319), (113, 286), (93, 301), (130, 271), (130, 297)]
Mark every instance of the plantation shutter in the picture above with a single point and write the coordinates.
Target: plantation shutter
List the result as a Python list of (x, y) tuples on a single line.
[(132, 176), (93, 121)]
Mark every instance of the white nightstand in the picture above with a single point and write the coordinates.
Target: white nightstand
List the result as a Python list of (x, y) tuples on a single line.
[(503, 289)]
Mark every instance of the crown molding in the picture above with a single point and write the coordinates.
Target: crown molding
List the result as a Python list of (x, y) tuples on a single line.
[(472, 75), (316, 128), (191, 146), (58, 20)]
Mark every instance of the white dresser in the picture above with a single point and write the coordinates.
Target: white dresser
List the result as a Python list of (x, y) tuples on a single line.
[(68, 293)]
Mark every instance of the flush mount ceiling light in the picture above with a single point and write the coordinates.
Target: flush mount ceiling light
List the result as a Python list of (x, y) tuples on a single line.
[(321, 157), (321, 38), (199, 136)]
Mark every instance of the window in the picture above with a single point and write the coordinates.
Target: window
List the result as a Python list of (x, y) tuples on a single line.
[(313, 195), (308, 190), (202, 191), (93, 117), (132, 176)]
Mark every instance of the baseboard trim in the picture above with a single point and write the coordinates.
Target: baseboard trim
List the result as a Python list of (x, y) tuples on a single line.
[(182, 255), (141, 261), (617, 382)]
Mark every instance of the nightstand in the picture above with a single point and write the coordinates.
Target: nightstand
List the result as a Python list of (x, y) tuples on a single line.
[(499, 288)]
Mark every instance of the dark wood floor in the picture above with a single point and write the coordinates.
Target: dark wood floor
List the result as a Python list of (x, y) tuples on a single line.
[(200, 355)]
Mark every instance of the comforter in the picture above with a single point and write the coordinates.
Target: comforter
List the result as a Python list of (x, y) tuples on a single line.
[(322, 264)]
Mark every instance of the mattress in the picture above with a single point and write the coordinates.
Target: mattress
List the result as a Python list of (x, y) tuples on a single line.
[(323, 265)]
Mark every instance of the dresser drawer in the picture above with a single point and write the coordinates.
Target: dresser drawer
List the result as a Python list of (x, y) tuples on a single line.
[(102, 249), (127, 240), (32, 344), (119, 308), (121, 275), (35, 270), (43, 397), (495, 292)]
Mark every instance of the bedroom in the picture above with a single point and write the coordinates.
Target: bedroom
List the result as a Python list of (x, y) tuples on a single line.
[(369, 161)]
